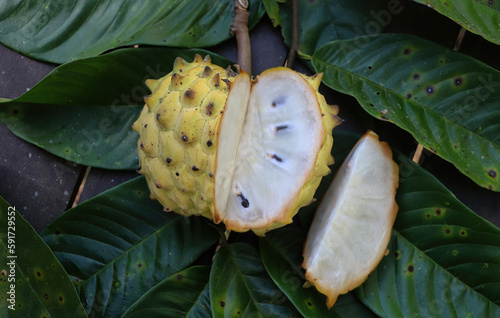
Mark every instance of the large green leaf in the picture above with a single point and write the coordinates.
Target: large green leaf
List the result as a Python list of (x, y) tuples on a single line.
[(408, 283), (119, 244), (448, 101), (281, 254), (83, 110), (180, 295), (478, 16), (241, 287), (60, 31), (33, 283), (321, 21)]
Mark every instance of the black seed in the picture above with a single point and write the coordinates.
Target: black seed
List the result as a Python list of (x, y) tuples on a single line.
[(244, 201), (281, 127), (209, 143), (142, 146), (15, 111), (222, 304), (146, 125), (169, 160), (179, 276), (194, 168), (275, 157), (157, 116), (408, 95), (438, 211), (407, 51), (429, 90), (177, 174), (369, 67), (38, 274), (158, 185), (46, 296), (411, 268), (184, 138), (280, 100), (309, 303), (416, 76), (378, 93), (492, 173), (60, 299), (139, 265), (210, 175), (458, 81), (447, 231), (396, 254), (462, 233)]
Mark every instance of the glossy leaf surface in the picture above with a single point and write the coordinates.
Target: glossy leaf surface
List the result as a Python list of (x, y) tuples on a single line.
[(478, 16), (119, 244), (448, 101), (321, 21), (61, 31), (33, 283), (83, 110), (241, 287), (180, 295)]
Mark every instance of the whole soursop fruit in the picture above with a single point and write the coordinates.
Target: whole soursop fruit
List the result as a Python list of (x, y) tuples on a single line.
[(245, 152)]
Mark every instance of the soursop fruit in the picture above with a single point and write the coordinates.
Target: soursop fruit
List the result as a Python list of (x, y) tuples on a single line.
[(245, 152)]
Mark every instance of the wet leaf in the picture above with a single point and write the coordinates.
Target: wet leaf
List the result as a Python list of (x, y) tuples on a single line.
[(448, 101), (119, 244), (83, 110), (32, 281), (61, 31)]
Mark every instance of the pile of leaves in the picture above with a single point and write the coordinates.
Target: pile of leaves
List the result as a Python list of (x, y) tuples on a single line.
[(119, 255)]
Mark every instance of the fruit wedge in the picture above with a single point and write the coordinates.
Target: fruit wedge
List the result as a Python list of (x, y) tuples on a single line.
[(352, 225)]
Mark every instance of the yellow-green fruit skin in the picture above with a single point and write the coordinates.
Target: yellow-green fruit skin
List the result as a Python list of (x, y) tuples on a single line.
[(178, 130)]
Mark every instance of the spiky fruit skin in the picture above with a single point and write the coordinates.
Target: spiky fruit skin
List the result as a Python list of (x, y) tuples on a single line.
[(323, 160), (178, 130)]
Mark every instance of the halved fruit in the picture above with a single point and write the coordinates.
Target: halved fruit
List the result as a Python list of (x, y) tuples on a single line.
[(245, 152), (352, 225)]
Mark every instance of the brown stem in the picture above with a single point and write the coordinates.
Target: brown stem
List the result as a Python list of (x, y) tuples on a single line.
[(418, 153), (292, 53), (82, 185), (239, 28)]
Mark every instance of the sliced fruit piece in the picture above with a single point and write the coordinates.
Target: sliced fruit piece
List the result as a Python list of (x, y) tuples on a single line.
[(352, 225)]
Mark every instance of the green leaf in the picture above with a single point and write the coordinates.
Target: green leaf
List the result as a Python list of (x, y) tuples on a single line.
[(180, 295), (273, 11), (321, 21), (408, 283), (281, 252), (240, 286), (448, 101), (478, 16), (83, 110), (33, 283), (118, 245), (60, 31)]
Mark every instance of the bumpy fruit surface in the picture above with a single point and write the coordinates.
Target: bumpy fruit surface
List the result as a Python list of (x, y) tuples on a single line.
[(245, 152)]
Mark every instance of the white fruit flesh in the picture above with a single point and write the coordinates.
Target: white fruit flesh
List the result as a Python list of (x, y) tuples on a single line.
[(231, 128), (353, 223), (276, 154)]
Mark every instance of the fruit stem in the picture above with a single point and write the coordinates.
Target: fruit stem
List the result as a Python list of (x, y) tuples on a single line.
[(292, 53), (239, 28)]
